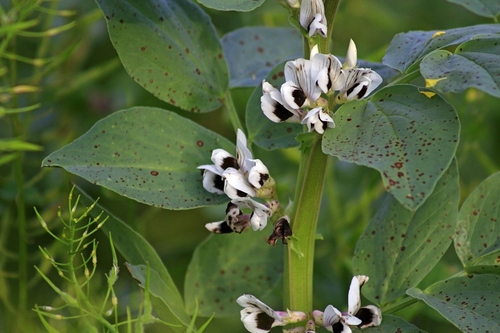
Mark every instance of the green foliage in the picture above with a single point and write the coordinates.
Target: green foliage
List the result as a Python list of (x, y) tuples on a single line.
[(405, 135), (399, 247), (487, 8), (147, 154), (225, 266), (170, 48), (469, 302)]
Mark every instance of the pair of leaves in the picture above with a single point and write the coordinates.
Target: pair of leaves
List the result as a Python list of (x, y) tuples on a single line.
[(474, 64), (399, 247)]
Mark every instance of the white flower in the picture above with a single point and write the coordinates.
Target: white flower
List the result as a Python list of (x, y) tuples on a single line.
[(275, 108), (312, 17), (237, 177), (330, 75), (359, 82), (260, 212), (257, 317), (300, 88), (338, 322), (235, 221), (319, 120)]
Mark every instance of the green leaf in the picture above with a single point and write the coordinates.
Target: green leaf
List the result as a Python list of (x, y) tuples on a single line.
[(399, 247), (251, 52), (408, 48), (236, 5), (18, 145), (477, 237), (226, 266), (486, 8), (161, 289), (171, 49), (262, 131), (391, 323), (408, 137), (475, 64), (146, 154), (469, 302), (137, 251)]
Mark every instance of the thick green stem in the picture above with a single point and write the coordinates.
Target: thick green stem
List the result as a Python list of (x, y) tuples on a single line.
[(300, 256)]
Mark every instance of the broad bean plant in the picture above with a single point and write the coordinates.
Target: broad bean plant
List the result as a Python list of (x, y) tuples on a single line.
[(323, 107)]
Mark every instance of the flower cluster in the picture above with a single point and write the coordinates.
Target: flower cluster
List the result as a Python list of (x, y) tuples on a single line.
[(299, 98), (240, 178), (257, 317)]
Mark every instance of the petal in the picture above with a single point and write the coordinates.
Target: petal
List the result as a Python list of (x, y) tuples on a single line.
[(274, 107), (281, 230), (351, 320), (293, 95), (219, 227), (258, 174), (354, 300), (369, 315), (256, 321), (360, 82), (351, 58), (243, 154), (329, 74), (318, 26), (223, 160), (331, 316), (212, 181), (250, 301), (309, 10), (236, 184), (310, 327), (235, 218)]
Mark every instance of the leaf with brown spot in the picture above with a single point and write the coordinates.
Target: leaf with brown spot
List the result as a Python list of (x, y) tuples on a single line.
[(477, 237), (469, 302), (146, 154), (173, 44), (225, 267), (409, 138), (399, 247)]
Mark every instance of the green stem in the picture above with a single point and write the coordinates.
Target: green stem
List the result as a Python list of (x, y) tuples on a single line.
[(233, 114), (331, 8), (402, 304), (308, 193)]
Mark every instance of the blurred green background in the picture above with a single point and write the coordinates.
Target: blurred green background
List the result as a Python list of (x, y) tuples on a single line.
[(82, 81)]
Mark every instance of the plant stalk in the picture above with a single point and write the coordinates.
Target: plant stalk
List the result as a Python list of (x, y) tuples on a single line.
[(307, 201)]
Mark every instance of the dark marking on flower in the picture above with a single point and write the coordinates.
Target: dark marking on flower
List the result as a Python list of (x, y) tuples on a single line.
[(281, 112), (281, 230), (229, 162), (299, 97), (264, 321)]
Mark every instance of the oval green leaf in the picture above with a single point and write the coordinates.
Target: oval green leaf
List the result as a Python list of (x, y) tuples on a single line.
[(262, 131), (486, 8), (171, 49), (406, 49), (473, 65), (408, 137), (226, 266), (399, 247), (236, 5), (251, 52), (477, 238), (146, 154), (469, 302)]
